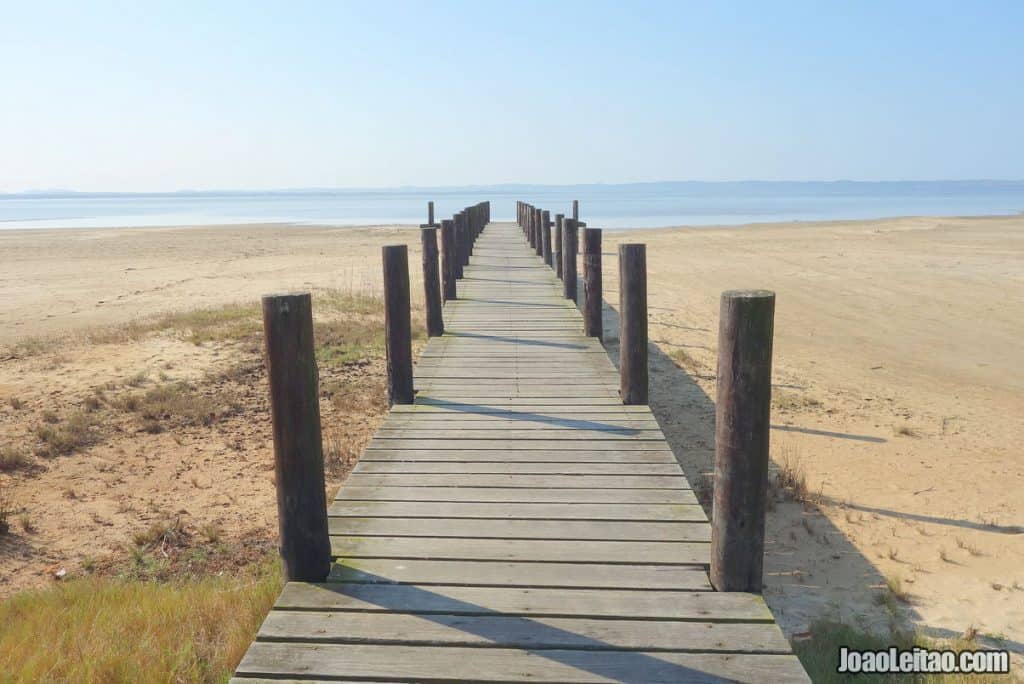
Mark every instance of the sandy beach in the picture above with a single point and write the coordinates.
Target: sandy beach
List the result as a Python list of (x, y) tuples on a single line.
[(898, 383)]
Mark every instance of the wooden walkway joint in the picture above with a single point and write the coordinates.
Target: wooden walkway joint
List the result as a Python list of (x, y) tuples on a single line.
[(517, 522)]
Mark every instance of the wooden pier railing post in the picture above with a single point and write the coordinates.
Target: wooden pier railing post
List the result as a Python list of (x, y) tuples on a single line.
[(556, 252), (298, 449), (633, 323), (447, 259), (398, 324), (538, 222), (569, 284), (431, 281), (592, 302), (460, 243), (430, 213), (576, 210), (742, 426), (531, 220), (545, 237)]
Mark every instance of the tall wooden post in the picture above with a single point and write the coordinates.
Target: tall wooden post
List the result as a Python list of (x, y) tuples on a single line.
[(633, 323), (431, 281), (538, 222), (531, 227), (592, 303), (430, 213), (576, 210), (742, 425), (556, 253), (545, 237), (447, 259), (398, 324), (569, 283), (460, 243), (298, 450)]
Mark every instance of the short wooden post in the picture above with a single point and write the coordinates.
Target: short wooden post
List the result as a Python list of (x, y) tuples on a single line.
[(576, 210), (742, 426), (633, 323), (430, 213), (592, 302), (569, 284), (397, 324), (447, 259), (298, 450), (431, 281), (530, 228), (556, 252)]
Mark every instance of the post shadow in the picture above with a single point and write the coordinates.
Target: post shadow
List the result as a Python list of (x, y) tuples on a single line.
[(686, 415)]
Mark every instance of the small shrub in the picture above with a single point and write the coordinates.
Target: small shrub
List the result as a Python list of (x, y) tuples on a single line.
[(13, 458), (16, 403), (73, 434), (49, 416), (27, 526)]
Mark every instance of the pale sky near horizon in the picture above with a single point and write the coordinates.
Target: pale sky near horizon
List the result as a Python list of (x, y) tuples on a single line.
[(232, 95)]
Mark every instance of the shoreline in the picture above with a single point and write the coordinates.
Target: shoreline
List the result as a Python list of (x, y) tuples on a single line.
[(413, 225)]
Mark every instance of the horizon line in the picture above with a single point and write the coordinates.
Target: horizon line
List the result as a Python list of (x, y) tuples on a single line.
[(485, 186)]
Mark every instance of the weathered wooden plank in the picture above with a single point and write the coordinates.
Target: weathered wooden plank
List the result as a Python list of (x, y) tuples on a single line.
[(442, 452), (534, 550), (518, 495), (504, 467), (517, 574), (409, 663), (520, 529), (517, 632), (535, 482), (526, 511), (540, 432), (561, 602), (607, 444)]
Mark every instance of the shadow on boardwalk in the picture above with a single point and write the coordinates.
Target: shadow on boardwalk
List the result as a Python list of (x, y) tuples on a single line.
[(811, 568)]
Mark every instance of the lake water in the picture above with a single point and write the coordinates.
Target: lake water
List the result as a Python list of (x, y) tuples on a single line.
[(611, 206)]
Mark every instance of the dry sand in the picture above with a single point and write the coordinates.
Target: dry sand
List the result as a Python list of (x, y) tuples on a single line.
[(899, 390)]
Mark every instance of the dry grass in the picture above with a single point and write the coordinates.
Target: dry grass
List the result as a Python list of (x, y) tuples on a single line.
[(15, 403), (905, 431), (819, 654), (789, 402), (13, 458), (684, 359), (76, 432), (6, 508), (788, 482), (110, 630), (181, 402)]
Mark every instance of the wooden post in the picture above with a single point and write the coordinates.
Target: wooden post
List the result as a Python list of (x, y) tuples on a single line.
[(298, 450), (569, 284), (430, 213), (538, 222), (397, 324), (460, 244), (431, 281), (576, 210), (633, 323), (592, 302), (530, 232), (447, 259), (742, 425), (556, 253), (545, 237)]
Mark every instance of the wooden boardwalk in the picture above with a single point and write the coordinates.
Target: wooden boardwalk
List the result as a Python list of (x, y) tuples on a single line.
[(517, 523)]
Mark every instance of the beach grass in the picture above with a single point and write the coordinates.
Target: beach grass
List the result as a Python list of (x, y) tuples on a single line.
[(97, 629)]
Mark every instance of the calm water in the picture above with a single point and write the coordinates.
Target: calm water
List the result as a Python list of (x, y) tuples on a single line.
[(612, 206)]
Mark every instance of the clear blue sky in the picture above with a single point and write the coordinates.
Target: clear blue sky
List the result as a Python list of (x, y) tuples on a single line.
[(217, 95)]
